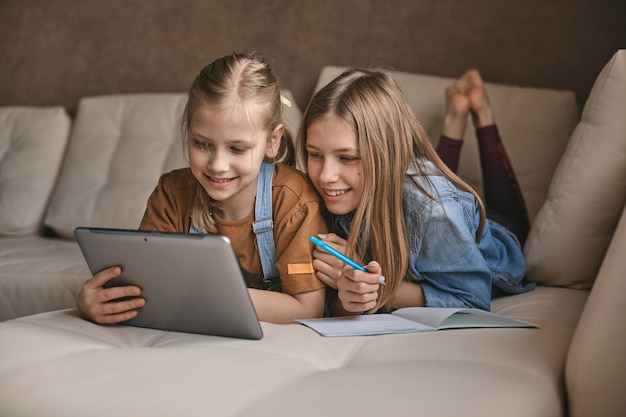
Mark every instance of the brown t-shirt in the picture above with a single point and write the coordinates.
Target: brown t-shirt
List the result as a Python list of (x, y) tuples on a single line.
[(296, 215)]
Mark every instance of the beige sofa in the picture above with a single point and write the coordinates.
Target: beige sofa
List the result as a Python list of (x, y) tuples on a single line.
[(98, 169)]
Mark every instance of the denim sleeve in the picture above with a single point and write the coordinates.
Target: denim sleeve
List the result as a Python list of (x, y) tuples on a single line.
[(445, 258)]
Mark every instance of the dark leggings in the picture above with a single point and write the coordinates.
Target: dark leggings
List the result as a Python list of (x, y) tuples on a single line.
[(503, 197)]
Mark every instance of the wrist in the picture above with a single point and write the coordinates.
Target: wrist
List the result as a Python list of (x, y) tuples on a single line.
[(408, 294)]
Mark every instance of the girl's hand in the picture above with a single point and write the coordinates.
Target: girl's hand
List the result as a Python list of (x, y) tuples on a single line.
[(328, 268), (95, 302), (357, 290)]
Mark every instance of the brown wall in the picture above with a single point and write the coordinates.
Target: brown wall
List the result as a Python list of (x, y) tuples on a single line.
[(54, 52)]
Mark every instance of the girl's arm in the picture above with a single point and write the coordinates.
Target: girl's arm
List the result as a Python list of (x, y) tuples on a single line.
[(297, 216), (451, 269), (281, 308), (408, 294), (96, 303), (169, 205), (358, 292), (329, 270), (351, 292), (327, 267)]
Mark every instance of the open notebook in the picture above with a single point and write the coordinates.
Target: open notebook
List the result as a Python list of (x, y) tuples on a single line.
[(410, 320)]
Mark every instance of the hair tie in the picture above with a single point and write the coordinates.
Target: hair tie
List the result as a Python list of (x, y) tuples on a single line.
[(285, 101)]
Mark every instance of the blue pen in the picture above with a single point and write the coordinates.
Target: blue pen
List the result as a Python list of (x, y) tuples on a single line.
[(341, 256)]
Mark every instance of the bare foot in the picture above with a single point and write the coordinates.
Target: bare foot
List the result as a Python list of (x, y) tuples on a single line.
[(457, 108), (472, 85)]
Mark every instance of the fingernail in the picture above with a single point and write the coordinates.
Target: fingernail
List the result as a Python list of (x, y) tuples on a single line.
[(381, 281), (322, 235)]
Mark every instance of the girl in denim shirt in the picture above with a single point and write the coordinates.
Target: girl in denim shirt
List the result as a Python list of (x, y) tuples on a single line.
[(397, 206)]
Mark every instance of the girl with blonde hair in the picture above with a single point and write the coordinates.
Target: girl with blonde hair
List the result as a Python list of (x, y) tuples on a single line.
[(240, 184), (395, 205)]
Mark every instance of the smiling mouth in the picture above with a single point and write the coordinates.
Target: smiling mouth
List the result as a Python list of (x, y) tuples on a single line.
[(218, 180), (335, 193)]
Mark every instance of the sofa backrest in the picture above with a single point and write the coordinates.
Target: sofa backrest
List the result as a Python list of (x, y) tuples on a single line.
[(32, 144), (118, 148), (121, 144)]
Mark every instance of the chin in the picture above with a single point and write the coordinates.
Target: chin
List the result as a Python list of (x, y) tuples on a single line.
[(339, 210)]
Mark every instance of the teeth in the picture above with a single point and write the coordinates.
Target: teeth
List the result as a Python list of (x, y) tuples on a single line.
[(219, 180), (335, 193)]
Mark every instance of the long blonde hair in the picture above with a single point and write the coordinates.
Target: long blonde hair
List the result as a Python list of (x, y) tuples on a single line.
[(390, 140), (239, 79)]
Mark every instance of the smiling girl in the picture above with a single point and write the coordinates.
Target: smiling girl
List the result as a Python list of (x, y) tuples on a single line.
[(395, 206), (239, 184)]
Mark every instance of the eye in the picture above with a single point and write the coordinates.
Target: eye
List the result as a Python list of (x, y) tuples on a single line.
[(348, 159), (204, 146), (237, 149), (314, 155)]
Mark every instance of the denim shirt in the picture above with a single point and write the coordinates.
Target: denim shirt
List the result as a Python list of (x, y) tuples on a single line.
[(451, 267)]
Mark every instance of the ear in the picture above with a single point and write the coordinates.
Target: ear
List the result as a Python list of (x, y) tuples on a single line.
[(274, 142)]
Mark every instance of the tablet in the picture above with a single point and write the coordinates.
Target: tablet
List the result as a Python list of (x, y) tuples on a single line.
[(192, 283)]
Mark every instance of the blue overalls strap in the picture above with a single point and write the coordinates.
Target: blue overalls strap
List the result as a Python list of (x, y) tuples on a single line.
[(263, 225)]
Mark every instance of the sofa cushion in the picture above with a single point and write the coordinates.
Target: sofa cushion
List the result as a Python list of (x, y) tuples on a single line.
[(119, 147), (32, 143), (292, 371), (569, 238), (535, 125), (596, 369), (39, 274)]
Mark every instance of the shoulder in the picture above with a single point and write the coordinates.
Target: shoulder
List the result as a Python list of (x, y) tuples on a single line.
[(169, 204), (175, 186), (284, 174), (294, 198), (428, 188), (434, 196), (424, 182), (177, 179), (293, 184)]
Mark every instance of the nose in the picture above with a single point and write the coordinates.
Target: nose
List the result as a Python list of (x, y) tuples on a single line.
[(329, 172), (217, 161)]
